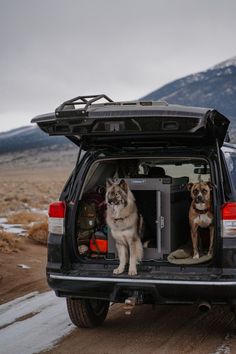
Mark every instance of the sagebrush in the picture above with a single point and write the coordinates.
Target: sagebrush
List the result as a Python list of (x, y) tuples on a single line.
[(39, 232), (10, 242)]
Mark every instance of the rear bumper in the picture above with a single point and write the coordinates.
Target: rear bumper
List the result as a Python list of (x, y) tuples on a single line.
[(153, 290)]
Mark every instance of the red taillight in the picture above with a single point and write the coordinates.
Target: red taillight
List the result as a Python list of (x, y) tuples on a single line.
[(56, 213), (228, 216), (228, 211), (57, 210)]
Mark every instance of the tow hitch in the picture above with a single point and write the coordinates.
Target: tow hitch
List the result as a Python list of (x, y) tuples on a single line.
[(130, 302)]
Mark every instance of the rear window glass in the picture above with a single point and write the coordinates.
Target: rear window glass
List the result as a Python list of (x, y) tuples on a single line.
[(195, 171), (178, 171)]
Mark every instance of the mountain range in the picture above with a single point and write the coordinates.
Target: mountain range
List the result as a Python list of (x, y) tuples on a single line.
[(27, 138), (215, 87)]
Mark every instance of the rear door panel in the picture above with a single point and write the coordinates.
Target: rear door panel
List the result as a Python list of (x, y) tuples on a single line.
[(136, 125)]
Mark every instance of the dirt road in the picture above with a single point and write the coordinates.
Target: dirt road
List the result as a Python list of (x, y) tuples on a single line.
[(15, 280), (38, 322), (167, 329)]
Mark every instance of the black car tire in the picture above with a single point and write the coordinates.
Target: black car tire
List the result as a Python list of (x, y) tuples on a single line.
[(87, 313)]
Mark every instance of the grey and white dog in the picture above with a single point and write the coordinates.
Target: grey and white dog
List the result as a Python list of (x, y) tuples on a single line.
[(125, 223)]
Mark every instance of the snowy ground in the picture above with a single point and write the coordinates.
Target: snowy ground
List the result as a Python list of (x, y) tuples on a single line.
[(33, 323), (17, 229), (12, 228)]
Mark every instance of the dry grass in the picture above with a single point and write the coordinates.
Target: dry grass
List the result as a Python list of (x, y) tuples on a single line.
[(22, 191), (10, 243), (26, 188), (39, 233), (25, 218)]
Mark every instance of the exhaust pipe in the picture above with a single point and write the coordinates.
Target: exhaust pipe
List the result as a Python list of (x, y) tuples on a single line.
[(204, 306)]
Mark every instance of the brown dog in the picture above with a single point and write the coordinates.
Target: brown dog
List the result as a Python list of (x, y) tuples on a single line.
[(200, 213)]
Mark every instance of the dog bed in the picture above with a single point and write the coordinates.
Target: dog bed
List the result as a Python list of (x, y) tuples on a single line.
[(183, 255)]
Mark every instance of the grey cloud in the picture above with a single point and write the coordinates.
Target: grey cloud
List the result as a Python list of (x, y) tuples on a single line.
[(53, 50)]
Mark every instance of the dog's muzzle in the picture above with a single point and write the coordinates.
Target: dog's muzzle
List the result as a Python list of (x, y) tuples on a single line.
[(113, 202), (199, 199)]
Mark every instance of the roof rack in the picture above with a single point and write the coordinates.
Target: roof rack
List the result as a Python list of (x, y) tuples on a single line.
[(69, 106)]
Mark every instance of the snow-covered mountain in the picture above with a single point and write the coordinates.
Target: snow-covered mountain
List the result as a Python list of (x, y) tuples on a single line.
[(215, 87), (226, 63)]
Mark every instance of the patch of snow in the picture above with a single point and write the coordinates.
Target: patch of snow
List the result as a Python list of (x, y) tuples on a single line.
[(23, 266), (39, 211), (225, 64), (33, 323), (6, 306), (3, 220), (229, 90), (17, 229), (223, 349), (12, 228), (196, 77)]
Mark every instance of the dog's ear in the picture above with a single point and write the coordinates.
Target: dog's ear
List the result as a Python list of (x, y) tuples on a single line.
[(123, 185), (109, 183), (210, 185), (189, 186)]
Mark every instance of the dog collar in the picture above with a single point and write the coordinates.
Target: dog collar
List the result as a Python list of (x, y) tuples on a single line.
[(201, 211)]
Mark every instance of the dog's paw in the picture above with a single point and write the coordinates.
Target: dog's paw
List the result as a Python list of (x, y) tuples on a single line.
[(210, 252), (196, 256), (118, 270), (132, 272)]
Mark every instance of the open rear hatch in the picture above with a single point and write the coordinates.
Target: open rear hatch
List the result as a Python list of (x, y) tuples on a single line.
[(133, 124)]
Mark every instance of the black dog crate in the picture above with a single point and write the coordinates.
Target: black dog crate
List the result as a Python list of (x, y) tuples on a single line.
[(163, 203)]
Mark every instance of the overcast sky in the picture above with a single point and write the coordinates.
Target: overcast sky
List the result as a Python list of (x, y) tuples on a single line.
[(53, 50)]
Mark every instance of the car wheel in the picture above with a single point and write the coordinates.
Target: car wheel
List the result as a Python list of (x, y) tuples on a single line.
[(87, 313)]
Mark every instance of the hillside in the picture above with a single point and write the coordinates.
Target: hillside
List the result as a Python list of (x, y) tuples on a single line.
[(28, 147), (215, 87), (29, 137)]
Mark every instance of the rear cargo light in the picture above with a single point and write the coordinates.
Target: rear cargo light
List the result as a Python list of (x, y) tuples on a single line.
[(56, 213), (228, 217)]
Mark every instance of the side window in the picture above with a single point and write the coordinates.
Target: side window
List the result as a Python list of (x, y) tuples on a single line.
[(230, 158)]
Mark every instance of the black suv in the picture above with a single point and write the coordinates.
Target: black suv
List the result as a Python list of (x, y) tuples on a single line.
[(157, 148)]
